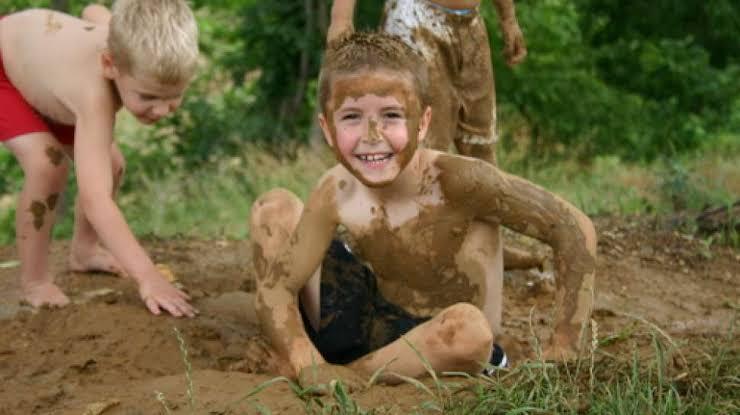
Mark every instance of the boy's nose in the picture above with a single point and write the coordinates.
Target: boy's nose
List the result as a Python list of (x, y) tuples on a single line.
[(160, 110), (373, 133)]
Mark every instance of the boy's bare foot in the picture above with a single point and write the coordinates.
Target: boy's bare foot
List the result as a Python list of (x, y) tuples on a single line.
[(97, 259), (46, 293)]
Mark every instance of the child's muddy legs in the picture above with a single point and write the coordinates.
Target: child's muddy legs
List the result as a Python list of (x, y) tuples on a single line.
[(87, 254), (45, 168), (458, 339), (274, 217)]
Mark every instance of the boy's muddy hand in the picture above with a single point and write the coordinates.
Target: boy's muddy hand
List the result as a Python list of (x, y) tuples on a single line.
[(158, 294), (322, 378), (515, 49)]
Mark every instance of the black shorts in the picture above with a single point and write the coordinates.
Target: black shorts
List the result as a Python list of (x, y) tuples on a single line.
[(355, 318)]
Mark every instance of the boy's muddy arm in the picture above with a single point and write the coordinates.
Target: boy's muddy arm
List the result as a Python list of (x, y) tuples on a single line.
[(277, 291), (515, 49), (342, 16), (92, 153), (533, 211)]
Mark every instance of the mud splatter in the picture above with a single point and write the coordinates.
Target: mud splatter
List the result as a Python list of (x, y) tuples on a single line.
[(51, 201), (52, 25), (55, 155), (38, 210)]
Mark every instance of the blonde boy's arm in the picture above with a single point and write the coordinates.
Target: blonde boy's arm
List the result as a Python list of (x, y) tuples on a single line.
[(529, 209), (515, 49), (96, 13), (277, 292), (342, 16), (92, 151)]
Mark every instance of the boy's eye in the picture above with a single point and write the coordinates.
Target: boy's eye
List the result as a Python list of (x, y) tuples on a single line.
[(147, 97), (394, 114), (350, 116)]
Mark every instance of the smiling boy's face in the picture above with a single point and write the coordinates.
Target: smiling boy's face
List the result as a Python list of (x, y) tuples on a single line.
[(374, 121)]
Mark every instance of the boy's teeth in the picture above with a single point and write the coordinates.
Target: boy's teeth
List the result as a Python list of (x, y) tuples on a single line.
[(373, 157)]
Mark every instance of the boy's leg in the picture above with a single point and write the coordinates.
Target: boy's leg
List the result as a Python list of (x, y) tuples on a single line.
[(274, 216), (86, 253), (458, 339), (476, 134), (45, 169)]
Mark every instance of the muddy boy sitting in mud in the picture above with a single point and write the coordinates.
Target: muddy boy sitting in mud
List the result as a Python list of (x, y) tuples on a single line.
[(430, 274), (62, 81)]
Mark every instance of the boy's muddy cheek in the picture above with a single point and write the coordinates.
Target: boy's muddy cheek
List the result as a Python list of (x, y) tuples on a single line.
[(55, 155)]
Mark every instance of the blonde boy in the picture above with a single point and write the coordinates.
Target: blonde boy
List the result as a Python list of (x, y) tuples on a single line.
[(62, 81), (426, 268)]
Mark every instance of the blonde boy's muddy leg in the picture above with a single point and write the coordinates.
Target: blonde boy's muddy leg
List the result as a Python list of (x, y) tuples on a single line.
[(86, 253), (45, 168), (273, 218)]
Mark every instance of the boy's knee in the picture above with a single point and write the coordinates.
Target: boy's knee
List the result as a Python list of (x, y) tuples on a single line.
[(50, 171), (277, 206), (464, 334)]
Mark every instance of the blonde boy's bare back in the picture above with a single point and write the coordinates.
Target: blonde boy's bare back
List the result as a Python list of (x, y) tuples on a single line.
[(53, 59)]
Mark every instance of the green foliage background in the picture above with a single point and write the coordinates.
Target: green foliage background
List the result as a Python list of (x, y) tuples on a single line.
[(620, 80)]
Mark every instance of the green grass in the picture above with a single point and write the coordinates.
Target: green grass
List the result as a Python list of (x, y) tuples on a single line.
[(650, 374)]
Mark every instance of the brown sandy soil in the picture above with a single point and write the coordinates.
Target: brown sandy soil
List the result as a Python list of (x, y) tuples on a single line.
[(106, 348)]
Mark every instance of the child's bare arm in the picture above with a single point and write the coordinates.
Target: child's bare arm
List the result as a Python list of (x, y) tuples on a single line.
[(527, 208), (96, 13), (277, 292), (92, 151), (515, 49), (342, 15)]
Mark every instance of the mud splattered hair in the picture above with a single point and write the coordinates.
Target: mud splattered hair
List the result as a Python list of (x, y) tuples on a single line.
[(371, 51)]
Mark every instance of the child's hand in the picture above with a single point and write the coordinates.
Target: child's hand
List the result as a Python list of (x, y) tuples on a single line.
[(322, 378), (337, 31), (158, 294), (515, 49)]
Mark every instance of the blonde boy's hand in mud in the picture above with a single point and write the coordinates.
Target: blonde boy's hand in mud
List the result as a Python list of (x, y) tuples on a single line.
[(62, 81), (158, 294), (322, 378)]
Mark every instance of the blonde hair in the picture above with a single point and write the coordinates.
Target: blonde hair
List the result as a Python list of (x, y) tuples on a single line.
[(157, 38)]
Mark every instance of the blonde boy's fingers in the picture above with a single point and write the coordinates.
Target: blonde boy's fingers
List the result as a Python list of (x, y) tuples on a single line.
[(152, 305)]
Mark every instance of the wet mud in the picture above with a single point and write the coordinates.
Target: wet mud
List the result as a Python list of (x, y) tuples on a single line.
[(106, 351)]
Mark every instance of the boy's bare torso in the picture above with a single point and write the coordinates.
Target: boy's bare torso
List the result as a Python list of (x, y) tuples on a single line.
[(52, 59), (412, 240)]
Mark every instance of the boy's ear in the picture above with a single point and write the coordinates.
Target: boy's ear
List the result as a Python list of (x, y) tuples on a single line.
[(426, 119), (324, 124), (110, 70)]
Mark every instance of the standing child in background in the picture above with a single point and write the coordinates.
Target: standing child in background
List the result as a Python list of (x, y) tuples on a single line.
[(452, 37), (426, 269), (62, 81)]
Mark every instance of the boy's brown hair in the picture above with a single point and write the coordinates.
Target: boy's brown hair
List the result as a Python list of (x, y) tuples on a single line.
[(156, 38), (371, 51)]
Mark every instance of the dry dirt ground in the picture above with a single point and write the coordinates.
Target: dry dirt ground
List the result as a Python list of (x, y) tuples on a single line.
[(106, 349)]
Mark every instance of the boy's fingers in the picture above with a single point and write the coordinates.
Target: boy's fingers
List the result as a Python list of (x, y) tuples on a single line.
[(152, 305)]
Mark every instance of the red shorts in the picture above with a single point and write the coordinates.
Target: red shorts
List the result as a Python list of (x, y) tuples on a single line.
[(17, 117)]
